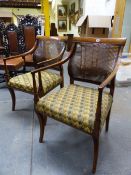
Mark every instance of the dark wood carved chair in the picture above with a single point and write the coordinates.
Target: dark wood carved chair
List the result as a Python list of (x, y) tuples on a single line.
[(47, 50), (29, 29), (2, 49), (53, 30), (86, 108), (3, 39), (10, 41), (14, 40)]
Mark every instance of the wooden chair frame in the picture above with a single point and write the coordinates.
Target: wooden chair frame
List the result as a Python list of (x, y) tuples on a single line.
[(108, 82), (39, 64)]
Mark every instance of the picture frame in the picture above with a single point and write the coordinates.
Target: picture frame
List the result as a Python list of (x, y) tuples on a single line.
[(81, 4), (72, 10), (62, 25), (62, 11)]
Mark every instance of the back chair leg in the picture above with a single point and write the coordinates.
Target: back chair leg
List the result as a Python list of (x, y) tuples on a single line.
[(42, 121), (24, 69), (13, 98), (61, 74), (62, 84), (71, 81), (96, 150), (107, 121)]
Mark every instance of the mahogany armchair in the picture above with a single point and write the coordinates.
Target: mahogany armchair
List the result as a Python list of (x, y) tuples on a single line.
[(85, 108), (29, 28), (10, 40), (47, 50)]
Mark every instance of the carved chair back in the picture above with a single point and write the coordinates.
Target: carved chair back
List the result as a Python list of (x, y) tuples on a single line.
[(29, 28), (3, 39), (14, 39), (1, 30)]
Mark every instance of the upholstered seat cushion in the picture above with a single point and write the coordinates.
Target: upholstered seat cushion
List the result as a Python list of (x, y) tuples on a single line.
[(75, 106), (24, 82)]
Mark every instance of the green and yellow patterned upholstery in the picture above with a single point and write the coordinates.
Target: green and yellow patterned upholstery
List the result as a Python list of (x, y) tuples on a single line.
[(24, 82), (75, 106)]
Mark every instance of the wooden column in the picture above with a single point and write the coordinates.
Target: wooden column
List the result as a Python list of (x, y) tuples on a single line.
[(118, 18), (45, 11)]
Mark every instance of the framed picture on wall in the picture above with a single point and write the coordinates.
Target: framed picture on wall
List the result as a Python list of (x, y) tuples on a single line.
[(81, 5), (62, 11), (72, 11), (62, 25)]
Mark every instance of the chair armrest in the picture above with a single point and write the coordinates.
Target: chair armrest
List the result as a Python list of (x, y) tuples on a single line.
[(99, 102), (110, 77), (23, 54), (56, 64), (53, 59), (33, 72)]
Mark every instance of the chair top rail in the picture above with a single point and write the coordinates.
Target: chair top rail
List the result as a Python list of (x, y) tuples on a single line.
[(115, 41)]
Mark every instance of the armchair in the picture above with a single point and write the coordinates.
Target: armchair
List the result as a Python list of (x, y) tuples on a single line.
[(46, 50), (85, 108), (10, 41)]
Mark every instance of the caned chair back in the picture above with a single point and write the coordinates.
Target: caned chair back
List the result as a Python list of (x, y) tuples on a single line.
[(94, 59), (49, 49)]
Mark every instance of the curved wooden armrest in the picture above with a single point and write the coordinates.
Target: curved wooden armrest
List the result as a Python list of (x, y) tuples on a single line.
[(53, 59), (58, 63), (100, 92), (99, 102), (23, 54), (110, 77)]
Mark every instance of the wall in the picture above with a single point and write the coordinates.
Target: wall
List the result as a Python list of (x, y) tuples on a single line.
[(90, 7), (53, 14), (74, 29), (99, 7), (54, 18), (21, 11), (126, 32)]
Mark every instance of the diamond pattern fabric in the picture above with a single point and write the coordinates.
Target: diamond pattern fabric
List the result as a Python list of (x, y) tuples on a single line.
[(75, 106), (24, 82)]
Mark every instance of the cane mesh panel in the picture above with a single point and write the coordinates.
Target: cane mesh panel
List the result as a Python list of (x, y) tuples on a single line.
[(93, 61)]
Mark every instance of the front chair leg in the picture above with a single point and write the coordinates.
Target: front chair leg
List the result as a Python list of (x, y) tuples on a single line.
[(96, 150), (13, 98), (62, 84), (42, 121), (107, 121)]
